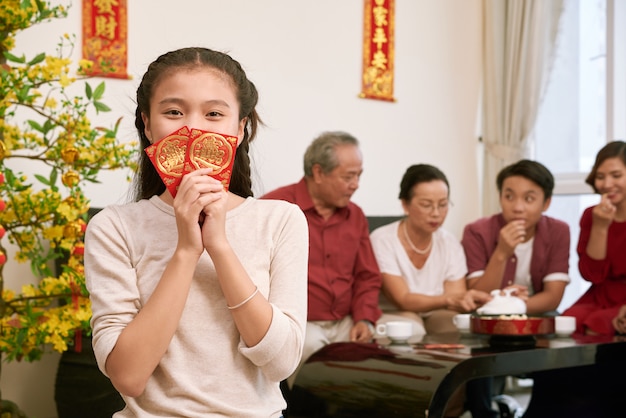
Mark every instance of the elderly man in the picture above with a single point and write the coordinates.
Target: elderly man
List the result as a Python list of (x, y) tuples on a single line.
[(344, 280)]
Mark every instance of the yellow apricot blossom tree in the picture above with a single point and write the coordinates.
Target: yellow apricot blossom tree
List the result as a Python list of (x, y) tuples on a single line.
[(44, 215)]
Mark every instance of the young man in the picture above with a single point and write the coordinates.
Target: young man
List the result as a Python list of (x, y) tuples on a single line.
[(519, 248)]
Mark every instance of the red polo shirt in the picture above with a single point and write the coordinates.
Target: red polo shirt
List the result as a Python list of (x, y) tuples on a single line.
[(344, 278)]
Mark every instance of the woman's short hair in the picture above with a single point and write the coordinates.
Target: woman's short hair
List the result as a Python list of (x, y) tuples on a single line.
[(419, 173)]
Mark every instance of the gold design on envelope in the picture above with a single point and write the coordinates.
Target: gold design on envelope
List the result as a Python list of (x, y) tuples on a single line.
[(170, 155), (210, 150)]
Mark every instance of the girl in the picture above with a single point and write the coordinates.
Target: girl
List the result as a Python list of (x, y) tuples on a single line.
[(601, 245), (197, 318)]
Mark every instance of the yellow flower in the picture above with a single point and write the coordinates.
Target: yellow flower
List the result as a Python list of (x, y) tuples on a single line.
[(8, 43), (53, 233), (50, 103), (85, 64), (65, 80), (8, 294), (29, 291)]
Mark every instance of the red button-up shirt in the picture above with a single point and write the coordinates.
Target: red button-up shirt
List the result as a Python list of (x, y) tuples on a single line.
[(344, 278)]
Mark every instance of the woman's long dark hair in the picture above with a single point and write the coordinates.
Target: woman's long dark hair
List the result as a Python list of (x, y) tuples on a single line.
[(147, 182)]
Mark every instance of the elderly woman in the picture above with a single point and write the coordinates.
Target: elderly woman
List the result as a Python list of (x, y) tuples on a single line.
[(423, 266)]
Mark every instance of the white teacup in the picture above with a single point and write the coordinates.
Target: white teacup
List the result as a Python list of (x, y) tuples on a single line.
[(462, 322), (564, 325), (396, 331)]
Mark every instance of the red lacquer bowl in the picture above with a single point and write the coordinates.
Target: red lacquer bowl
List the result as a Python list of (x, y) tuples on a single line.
[(504, 325)]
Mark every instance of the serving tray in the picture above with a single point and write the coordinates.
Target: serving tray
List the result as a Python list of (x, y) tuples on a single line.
[(512, 325)]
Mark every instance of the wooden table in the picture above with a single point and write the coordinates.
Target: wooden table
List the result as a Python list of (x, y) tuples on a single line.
[(417, 379)]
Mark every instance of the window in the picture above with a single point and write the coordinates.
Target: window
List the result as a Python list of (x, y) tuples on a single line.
[(583, 108)]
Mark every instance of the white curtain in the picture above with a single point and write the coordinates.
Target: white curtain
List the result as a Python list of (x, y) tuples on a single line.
[(518, 50)]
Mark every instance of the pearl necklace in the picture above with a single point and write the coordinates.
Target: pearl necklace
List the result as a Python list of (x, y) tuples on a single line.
[(413, 247)]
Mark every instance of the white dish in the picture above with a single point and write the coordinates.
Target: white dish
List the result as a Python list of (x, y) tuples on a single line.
[(503, 305), (398, 340)]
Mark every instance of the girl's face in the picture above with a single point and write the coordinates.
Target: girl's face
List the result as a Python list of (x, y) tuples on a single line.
[(522, 199), (201, 98), (611, 180), (428, 207)]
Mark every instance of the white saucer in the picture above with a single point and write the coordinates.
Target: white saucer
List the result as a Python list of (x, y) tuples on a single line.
[(397, 341)]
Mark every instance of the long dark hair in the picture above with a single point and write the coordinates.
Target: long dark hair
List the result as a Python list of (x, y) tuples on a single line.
[(147, 182), (610, 150)]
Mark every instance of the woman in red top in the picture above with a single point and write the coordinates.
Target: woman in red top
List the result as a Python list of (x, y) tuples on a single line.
[(602, 245)]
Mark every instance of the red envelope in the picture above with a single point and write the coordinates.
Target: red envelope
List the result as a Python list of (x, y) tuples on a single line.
[(211, 149), (168, 156)]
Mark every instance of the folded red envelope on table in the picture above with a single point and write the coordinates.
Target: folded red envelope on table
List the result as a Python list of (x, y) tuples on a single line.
[(211, 149), (168, 157)]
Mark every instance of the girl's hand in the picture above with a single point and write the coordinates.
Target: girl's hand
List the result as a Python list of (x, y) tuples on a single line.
[(604, 212), (196, 190), (213, 216)]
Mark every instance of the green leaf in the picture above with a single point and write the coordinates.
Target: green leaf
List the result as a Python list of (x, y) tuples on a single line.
[(47, 126), (39, 58), (13, 58), (9, 177), (101, 107), (88, 91), (42, 179), (35, 126), (54, 176), (22, 95), (97, 95)]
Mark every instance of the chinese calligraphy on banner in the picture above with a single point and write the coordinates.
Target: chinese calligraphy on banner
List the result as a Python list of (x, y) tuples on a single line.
[(378, 50), (105, 36)]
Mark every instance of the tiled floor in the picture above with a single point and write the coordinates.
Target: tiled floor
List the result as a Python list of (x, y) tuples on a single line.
[(519, 389)]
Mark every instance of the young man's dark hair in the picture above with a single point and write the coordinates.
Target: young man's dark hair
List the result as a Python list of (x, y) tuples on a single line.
[(533, 171)]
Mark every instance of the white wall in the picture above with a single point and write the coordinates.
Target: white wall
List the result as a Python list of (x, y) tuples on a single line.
[(305, 58)]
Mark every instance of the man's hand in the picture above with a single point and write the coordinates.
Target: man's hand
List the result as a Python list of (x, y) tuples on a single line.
[(519, 291), (511, 235), (361, 332)]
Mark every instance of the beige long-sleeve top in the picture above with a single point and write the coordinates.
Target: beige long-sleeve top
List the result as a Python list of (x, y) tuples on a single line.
[(207, 370)]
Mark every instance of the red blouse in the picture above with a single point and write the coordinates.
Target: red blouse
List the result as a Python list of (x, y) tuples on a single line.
[(600, 304)]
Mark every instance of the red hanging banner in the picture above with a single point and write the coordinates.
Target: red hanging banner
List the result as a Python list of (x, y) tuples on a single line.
[(105, 36), (378, 50)]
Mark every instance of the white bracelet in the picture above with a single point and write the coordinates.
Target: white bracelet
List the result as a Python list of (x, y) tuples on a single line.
[(246, 300)]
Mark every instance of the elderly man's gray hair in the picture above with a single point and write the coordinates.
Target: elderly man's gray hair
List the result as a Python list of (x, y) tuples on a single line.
[(322, 151)]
